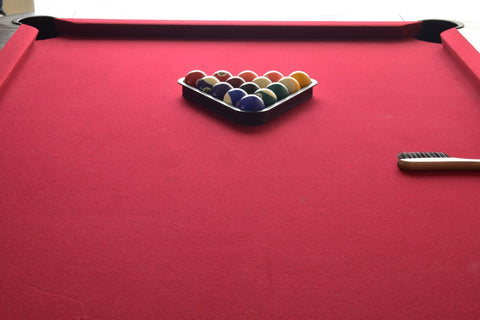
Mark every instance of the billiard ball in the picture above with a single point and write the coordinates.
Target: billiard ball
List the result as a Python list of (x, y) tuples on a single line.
[(206, 83), (193, 76), (262, 82), (233, 96), (236, 82), (247, 75), (268, 96), (273, 75), (291, 84), (279, 89), (222, 75), (249, 87), (218, 91), (251, 102), (302, 78)]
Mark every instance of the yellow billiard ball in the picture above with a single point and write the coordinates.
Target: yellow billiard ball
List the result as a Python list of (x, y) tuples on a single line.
[(302, 78)]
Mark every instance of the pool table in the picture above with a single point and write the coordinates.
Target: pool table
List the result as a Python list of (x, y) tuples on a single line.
[(121, 199)]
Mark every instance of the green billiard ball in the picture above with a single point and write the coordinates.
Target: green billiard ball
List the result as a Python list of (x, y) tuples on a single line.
[(268, 96), (279, 89)]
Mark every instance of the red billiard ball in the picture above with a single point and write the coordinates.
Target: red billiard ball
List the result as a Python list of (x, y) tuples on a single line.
[(193, 77), (222, 75), (247, 75)]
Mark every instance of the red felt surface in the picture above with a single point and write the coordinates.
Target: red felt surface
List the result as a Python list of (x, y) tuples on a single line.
[(122, 200)]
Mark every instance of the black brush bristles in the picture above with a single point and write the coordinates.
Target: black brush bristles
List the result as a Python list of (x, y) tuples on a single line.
[(417, 155)]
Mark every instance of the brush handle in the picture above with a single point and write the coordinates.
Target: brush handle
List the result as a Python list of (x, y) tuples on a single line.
[(439, 164)]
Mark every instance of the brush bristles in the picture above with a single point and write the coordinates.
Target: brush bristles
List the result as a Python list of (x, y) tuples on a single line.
[(417, 155)]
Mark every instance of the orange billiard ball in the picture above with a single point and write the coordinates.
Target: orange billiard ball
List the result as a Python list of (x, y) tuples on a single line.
[(273, 75), (247, 75)]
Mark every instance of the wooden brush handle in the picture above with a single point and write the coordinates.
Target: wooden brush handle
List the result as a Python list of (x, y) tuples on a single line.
[(422, 164)]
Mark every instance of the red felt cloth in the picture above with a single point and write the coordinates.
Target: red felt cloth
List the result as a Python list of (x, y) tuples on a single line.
[(122, 200)]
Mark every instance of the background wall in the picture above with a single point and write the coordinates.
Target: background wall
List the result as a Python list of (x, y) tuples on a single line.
[(465, 11), (18, 6)]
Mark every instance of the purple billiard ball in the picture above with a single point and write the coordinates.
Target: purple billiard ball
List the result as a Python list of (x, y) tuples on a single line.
[(219, 90)]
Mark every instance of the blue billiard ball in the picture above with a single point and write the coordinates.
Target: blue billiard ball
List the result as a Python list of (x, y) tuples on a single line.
[(219, 90), (206, 83), (251, 102), (233, 96)]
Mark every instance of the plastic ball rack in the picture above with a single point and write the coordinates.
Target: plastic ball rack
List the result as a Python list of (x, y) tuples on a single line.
[(246, 117)]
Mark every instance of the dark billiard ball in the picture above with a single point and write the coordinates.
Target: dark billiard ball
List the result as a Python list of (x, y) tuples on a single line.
[(193, 76), (249, 87), (279, 89), (268, 96), (236, 82), (251, 102), (273, 75), (219, 90), (247, 75), (206, 83), (291, 84), (222, 75), (233, 96)]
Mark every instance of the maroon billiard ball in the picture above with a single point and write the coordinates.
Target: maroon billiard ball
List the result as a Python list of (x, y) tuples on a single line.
[(193, 77), (236, 82)]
